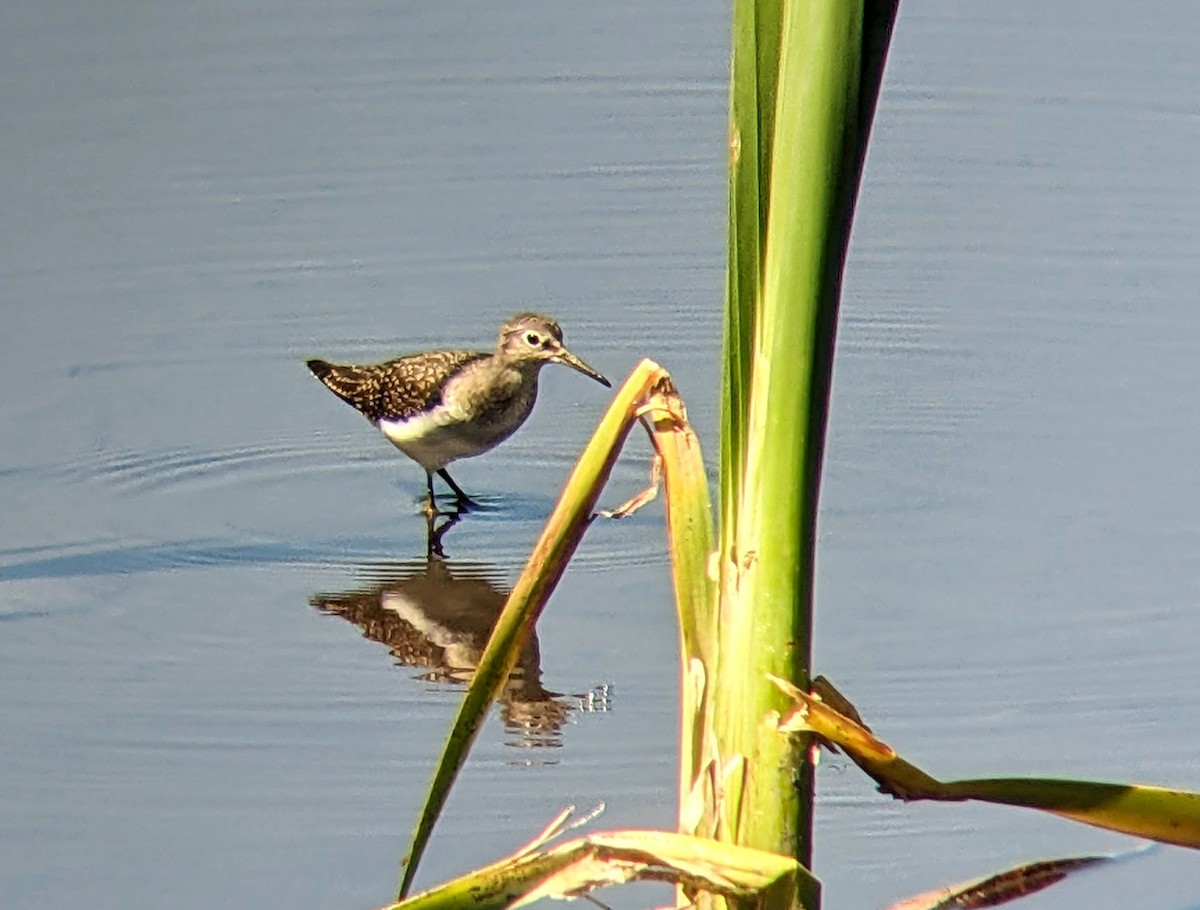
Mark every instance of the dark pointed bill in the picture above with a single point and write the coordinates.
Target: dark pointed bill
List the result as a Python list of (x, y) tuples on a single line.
[(568, 359)]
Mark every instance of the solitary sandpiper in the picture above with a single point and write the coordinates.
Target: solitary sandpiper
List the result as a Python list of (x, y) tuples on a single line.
[(439, 406)]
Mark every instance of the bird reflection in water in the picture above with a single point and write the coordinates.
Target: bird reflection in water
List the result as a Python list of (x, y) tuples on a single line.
[(438, 615), (436, 526)]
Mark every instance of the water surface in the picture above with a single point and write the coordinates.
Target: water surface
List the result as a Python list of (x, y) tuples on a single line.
[(197, 198)]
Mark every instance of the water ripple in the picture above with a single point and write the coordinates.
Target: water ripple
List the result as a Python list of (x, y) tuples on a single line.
[(104, 559), (134, 470)]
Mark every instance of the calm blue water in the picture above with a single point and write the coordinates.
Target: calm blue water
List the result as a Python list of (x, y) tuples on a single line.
[(196, 198)]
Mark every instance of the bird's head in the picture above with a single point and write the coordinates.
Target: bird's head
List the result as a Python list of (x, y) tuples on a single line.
[(531, 338)]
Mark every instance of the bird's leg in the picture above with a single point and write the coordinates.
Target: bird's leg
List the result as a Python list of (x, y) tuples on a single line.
[(464, 501)]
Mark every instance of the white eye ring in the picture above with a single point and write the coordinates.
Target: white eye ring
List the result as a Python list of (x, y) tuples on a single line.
[(533, 339)]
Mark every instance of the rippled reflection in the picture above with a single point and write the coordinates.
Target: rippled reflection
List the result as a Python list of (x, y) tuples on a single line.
[(438, 614)]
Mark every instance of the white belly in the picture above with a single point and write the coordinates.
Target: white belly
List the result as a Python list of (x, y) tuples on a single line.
[(435, 439)]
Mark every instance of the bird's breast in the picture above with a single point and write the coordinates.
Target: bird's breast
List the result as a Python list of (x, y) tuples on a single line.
[(470, 419)]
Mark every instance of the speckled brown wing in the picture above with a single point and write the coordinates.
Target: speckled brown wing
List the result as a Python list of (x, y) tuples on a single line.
[(395, 390)]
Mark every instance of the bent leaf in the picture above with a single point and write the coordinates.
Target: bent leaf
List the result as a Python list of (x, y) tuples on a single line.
[(1169, 816), (606, 858), (994, 890), (690, 537)]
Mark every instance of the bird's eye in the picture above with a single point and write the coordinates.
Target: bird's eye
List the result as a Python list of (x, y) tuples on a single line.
[(533, 339)]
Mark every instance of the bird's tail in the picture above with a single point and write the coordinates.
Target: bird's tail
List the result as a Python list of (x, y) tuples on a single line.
[(355, 385)]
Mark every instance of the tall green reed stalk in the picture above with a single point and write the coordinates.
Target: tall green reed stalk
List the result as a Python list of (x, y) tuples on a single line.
[(806, 75)]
